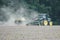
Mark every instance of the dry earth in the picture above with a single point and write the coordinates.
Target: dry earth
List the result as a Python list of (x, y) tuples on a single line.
[(29, 32)]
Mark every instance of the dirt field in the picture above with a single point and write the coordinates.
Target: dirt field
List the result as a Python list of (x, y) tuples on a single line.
[(29, 32)]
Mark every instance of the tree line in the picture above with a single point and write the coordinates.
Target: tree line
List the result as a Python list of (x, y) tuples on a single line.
[(52, 7)]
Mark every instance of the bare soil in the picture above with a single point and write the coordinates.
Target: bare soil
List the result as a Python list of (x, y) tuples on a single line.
[(29, 32)]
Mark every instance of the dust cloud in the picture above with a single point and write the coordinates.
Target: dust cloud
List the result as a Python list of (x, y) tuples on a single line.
[(15, 10)]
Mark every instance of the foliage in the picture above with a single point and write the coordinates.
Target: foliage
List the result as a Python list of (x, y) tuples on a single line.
[(52, 7)]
